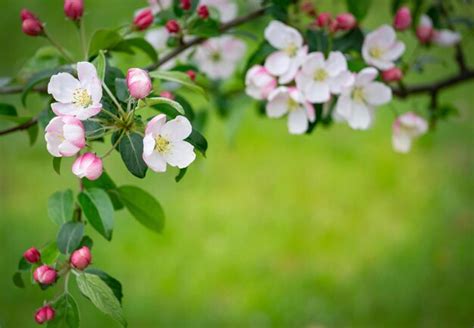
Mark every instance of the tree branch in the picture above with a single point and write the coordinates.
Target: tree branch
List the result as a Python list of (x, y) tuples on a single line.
[(24, 126)]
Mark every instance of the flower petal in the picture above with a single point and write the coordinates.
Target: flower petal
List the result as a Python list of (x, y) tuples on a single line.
[(377, 93), (361, 116), (62, 87), (62, 109), (336, 63), (317, 92), (401, 142), (181, 154), (297, 121), (277, 104), (177, 129), (281, 36), (155, 125), (278, 63), (155, 161)]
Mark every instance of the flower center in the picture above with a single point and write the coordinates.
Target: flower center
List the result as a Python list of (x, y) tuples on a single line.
[(320, 75), (215, 56), (81, 98), (291, 50), (292, 105), (376, 52), (358, 95), (162, 145)]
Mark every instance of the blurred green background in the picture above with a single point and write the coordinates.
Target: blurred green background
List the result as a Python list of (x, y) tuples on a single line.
[(327, 230)]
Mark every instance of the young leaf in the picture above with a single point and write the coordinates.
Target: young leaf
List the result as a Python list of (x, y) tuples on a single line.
[(100, 294), (103, 40), (57, 164), (66, 313), (359, 8), (106, 183), (33, 133), (131, 150), (101, 64), (98, 210), (181, 174), (121, 90), (179, 77), (143, 207), (86, 241), (139, 43), (61, 206), (8, 110), (49, 253), (113, 283), (18, 280), (69, 237), (23, 265), (156, 101), (198, 141)]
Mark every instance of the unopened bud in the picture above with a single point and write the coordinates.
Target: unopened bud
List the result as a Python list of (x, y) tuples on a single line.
[(172, 26), (143, 19), (138, 83), (394, 74), (185, 4), (45, 275), (323, 20), (402, 19), (44, 314), (346, 21), (32, 255), (191, 74), (74, 9), (203, 12), (81, 258)]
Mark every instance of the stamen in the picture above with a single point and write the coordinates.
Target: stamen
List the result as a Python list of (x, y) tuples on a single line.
[(81, 98), (162, 145), (320, 75)]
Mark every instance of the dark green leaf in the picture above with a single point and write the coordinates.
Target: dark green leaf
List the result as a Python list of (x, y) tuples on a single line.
[(8, 110), (18, 280), (121, 90), (33, 133), (113, 283), (317, 40), (86, 241), (139, 43), (57, 164), (45, 116), (143, 207), (98, 210), (23, 265), (70, 236), (157, 101), (198, 141), (103, 40), (61, 206), (259, 56), (205, 28), (66, 313), (351, 41), (359, 8), (106, 183), (181, 174), (100, 294), (131, 150)]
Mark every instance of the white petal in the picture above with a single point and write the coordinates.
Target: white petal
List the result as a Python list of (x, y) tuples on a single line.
[(317, 92), (336, 63), (278, 63), (148, 145), (155, 125), (297, 121), (62, 87), (52, 143), (377, 93), (62, 109), (426, 21), (181, 154), (401, 142), (313, 61), (86, 71), (68, 149), (281, 36), (446, 38), (277, 104), (361, 116), (365, 76), (392, 54), (344, 106), (341, 81), (155, 161), (177, 129), (85, 113)]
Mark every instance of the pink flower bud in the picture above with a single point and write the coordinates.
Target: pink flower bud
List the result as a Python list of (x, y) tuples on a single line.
[(259, 82), (203, 12), (185, 4), (323, 20), (402, 19), (394, 74), (308, 8), (172, 26), (44, 314), (32, 27), (26, 14), (191, 74), (139, 83), (45, 275), (32, 255), (65, 136), (424, 34), (88, 165), (143, 19), (346, 21), (74, 9), (167, 94), (81, 258)]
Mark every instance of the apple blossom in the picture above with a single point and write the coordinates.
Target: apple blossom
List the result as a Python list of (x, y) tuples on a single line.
[(381, 48), (402, 19), (164, 143), (65, 136), (81, 258), (227, 9), (324, 20), (405, 128), (45, 275), (425, 31), (259, 82), (203, 11), (77, 97), (356, 103), (393, 74), (138, 83), (290, 53), (218, 57), (284, 100), (88, 165), (74, 9), (143, 19), (318, 78), (158, 38), (346, 21), (446, 38), (44, 314), (172, 26), (32, 255), (159, 5)]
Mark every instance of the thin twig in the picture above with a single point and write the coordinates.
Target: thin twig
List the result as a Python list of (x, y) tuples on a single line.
[(24, 126)]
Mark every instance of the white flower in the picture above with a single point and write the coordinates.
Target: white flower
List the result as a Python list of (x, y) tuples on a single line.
[(259, 83), (405, 128), (77, 97), (227, 9), (446, 38), (285, 100), (356, 103), (218, 57), (159, 5), (158, 37), (381, 48), (290, 53), (65, 136), (164, 143), (318, 78)]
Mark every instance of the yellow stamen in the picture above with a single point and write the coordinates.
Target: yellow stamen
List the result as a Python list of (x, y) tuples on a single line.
[(81, 98), (320, 75), (358, 95), (376, 52), (162, 145)]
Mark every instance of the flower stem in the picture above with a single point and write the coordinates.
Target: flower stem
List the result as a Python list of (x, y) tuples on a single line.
[(59, 47), (111, 95), (114, 145), (82, 36)]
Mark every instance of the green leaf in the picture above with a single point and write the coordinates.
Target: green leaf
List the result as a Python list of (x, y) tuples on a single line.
[(359, 8), (143, 207), (204, 28), (179, 77), (18, 280), (103, 40), (49, 253), (23, 265), (121, 90), (153, 101), (8, 110), (33, 133), (106, 183), (101, 64), (181, 174), (100, 294), (113, 283), (86, 241), (351, 41), (66, 312), (70, 236), (198, 141), (57, 164), (98, 210), (61, 206), (317, 40), (139, 43), (45, 116), (131, 150)]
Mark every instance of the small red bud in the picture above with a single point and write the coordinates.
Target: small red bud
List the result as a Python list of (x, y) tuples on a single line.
[(323, 20), (143, 19), (44, 314), (191, 74), (346, 21), (74, 9), (424, 34), (203, 12), (402, 19), (45, 275), (25, 14), (167, 94), (32, 255), (172, 26), (81, 258), (308, 8), (185, 4), (32, 27), (394, 74)]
